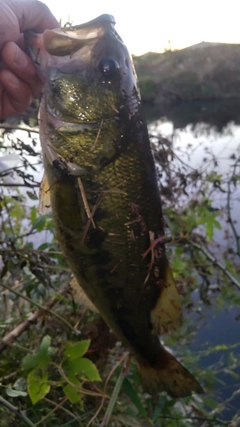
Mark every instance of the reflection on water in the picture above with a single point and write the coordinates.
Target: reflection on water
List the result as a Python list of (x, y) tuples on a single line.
[(204, 149), (199, 144), (221, 329), (30, 165), (214, 113)]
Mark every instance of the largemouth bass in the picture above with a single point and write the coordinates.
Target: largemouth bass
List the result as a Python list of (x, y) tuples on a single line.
[(104, 195)]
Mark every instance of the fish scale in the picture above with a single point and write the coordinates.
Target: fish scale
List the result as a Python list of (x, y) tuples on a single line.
[(104, 194)]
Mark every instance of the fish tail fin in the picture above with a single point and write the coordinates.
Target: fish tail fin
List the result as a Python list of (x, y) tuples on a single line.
[(170, 376)]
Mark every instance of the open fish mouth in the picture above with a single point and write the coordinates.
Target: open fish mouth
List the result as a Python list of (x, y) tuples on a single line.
[(59, 42)]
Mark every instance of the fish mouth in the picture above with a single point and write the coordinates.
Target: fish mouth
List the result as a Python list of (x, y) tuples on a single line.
[(61, 42), (72, 48), (94, 46)]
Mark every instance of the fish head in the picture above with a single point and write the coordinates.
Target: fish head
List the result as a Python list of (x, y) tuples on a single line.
[(90, 86)]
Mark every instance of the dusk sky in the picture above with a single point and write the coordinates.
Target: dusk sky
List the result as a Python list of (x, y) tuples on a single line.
[(150, 25)]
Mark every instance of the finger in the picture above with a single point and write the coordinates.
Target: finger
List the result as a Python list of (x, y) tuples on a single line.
[(16, 94), (21, 65)]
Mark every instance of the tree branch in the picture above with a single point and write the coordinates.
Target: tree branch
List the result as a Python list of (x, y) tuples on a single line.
[(16, 411), (211, 258), (2, 184), (14, 127), (9, 338), (236, 236)]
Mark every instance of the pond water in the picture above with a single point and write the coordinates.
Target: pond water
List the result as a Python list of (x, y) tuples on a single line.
[(203, 147)]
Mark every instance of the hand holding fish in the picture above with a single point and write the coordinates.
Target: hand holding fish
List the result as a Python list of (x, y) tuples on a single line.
[(18, 77)]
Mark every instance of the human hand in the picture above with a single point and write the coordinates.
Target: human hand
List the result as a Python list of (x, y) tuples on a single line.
[(18, 77)]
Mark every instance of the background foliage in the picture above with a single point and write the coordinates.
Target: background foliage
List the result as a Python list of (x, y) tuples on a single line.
[(60, 365)]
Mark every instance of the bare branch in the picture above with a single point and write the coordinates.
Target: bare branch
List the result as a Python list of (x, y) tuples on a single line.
[(236, 236), (14, 127), (9, 338), (17, 412), (211, 258)]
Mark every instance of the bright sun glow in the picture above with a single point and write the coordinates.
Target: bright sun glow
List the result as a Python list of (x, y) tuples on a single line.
[(154, 25)]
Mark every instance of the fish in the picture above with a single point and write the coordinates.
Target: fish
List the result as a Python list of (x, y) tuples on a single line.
[(102, 186)]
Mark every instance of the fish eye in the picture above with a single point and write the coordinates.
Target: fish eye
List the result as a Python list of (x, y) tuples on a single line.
[(107, 66)]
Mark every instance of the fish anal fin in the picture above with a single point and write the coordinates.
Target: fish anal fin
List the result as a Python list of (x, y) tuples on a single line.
[(80, 297), (170, 376), (44, 196), (167, 312)]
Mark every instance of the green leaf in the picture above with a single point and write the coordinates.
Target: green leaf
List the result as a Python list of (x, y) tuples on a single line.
[(32, 196), (43, 246), (231, 358), (210, 401), (208, 218), (85, 368), (133, 396), (37, 385), (71, 393), (15, 393), (17, 211), (76, 350), (46, 342), (39, 223), (232, 373), (220, 347), (40, 358), (33, 214), (30, 361), (52, 351), (217, 225)]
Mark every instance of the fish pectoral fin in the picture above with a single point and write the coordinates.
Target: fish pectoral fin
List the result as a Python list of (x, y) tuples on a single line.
[(80, 297), (170, 376), (167, 313), (44, 206)]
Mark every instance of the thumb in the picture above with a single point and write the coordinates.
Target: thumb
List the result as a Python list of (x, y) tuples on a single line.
[(33, 14), (18, 16)]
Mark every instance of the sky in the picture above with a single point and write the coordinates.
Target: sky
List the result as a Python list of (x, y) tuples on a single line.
[(150, 25)]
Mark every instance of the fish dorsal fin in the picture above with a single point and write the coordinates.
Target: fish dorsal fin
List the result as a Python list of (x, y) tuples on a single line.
[(44, 196), (167, 313)]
